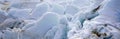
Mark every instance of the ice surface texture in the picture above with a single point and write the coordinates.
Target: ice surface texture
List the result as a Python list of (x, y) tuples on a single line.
[(59, 19)]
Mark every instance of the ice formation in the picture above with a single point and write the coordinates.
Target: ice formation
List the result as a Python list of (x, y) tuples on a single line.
[(59, 19)]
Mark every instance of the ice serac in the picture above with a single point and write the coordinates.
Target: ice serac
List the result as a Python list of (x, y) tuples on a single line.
[(61, 33), (51, 33), (43, 25), (39, 10)]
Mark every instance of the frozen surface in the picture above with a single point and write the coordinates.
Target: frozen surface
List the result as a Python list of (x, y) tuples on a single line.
[(59, 19)]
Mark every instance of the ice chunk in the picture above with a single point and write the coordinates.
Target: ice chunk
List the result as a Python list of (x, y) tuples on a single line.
[(44, 24), (61, 33), (51, 33), (39, 10)]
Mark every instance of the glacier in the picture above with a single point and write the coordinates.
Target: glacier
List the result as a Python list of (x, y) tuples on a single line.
[(59, 19)]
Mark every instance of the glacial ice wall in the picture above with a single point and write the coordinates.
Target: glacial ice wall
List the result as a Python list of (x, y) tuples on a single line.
[(59, 19)]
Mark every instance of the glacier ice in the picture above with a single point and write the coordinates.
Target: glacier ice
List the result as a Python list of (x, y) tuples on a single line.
[(59, 19), (39, 10)]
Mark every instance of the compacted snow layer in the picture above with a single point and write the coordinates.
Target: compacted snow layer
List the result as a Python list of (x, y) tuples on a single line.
[(59, 19)]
